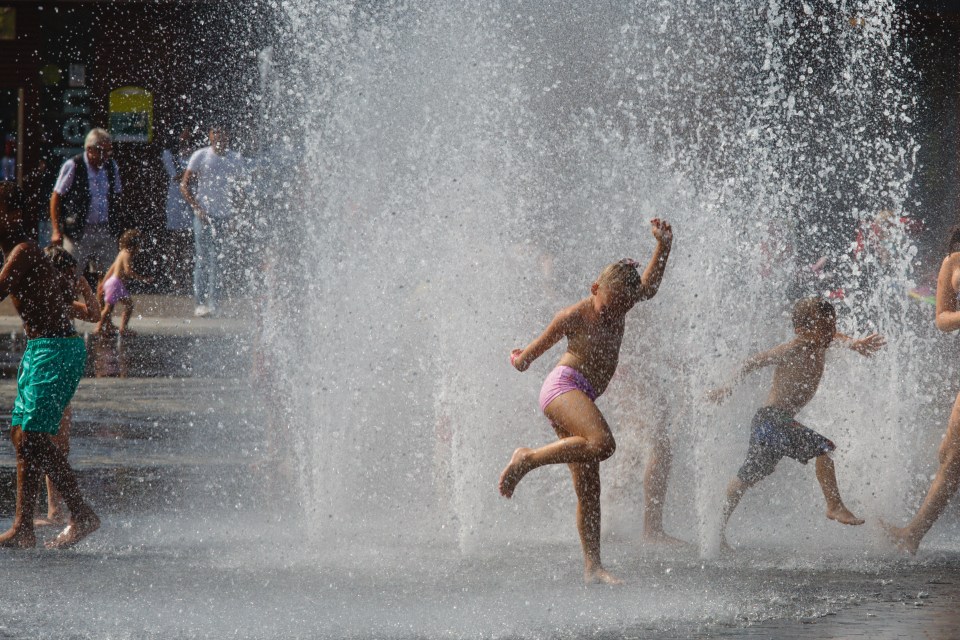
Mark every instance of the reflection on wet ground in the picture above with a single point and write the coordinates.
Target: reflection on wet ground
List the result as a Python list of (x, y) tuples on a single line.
[(137, 442), (254, 574), (147, 355), (198, 542)]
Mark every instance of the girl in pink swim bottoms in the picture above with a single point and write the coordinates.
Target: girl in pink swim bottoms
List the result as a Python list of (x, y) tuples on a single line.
[(113, 290), (593, 328)]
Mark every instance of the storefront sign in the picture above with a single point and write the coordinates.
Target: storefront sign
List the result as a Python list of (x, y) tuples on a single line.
[(131, 114), (8, 23)]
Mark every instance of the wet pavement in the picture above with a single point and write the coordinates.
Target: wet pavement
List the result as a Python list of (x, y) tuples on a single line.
[(198, 542)]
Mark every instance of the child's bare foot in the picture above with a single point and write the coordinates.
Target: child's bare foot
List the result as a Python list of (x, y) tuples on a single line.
[(901, 537), (514, 472), (600, 576), (659, 537), (51, 520), (842, 515), (18, 538), (78, 529)]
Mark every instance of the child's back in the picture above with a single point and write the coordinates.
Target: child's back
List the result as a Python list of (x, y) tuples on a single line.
[(39, 293), (121, 267)]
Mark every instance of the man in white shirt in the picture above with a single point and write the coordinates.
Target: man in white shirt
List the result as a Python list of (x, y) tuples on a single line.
[(83, 203), (209, 184)]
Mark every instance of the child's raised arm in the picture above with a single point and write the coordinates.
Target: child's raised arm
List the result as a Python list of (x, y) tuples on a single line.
[(754, 362), (865, 346), (653, 274), (555, 331)]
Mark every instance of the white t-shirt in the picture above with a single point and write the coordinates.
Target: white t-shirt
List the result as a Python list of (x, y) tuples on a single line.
[(99, 186), (218, 177)]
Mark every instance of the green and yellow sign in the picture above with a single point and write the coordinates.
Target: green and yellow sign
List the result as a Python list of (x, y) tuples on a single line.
[(131, 114)]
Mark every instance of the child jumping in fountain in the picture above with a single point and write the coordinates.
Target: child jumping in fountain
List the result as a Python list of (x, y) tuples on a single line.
[(49, 372), (114, 290), (593, 328), (774, 433)]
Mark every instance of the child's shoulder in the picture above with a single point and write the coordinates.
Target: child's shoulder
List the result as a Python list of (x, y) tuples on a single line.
[(785, 350), (574, 311), (24, 251)]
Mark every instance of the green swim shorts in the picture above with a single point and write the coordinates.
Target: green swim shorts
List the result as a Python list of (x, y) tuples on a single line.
[(49, 373)]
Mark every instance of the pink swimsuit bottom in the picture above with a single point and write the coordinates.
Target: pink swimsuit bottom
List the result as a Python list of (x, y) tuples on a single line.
[(561, 380), (113, 290)]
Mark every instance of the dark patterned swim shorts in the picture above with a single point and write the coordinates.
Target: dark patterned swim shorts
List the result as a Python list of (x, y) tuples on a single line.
[(774, 434)]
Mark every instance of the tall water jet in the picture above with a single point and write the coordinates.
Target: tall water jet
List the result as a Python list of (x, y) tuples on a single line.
[(469, 170)]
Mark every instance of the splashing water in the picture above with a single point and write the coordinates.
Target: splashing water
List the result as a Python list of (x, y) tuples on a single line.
[(468, 169)]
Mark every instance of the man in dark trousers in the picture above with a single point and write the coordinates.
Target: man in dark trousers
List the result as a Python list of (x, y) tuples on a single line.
[(83, 205)]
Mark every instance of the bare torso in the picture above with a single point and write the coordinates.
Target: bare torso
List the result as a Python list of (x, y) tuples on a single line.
[(40, 294), (121, 268), (797, 377), (593, 344)]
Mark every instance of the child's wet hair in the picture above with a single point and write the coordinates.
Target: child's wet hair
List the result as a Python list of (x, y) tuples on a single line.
[(130, 240), (808, 311), (623, 273), (953, 240), (61, 258)]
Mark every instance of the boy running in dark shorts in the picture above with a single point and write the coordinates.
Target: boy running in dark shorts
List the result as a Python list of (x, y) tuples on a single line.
[(774, 433), (49, 372)]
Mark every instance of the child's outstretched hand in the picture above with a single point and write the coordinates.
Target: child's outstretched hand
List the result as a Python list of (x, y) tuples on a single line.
[(515, 360), (869, 345), (717, 396), (662, 231)]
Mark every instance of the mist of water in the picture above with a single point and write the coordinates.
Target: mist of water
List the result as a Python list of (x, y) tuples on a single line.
[(467, 171)]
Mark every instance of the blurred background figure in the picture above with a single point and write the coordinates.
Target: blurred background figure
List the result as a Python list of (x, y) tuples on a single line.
[(83, 205), (177, 259), (210, 184)]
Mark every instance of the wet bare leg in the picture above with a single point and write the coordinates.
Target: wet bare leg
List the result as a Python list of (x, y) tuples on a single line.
[(21, 534), (105, 326), (586, 438), (586, 483), (56, 509), (655, 493), (735, 491), (126, 314), (585, 441), (83, 521), (943, 487), (827, 476)]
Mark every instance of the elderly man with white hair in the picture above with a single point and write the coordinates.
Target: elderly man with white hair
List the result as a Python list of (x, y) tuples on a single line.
[(83, 203)]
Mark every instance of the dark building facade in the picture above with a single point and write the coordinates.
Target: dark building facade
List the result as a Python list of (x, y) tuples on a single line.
[(143, 70)]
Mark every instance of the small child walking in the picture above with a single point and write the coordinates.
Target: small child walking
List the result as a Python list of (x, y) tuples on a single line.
[(594, 329), (113, 289), (774, 432)]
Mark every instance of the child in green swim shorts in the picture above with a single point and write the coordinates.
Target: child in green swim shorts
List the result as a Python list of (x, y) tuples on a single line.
[(796, 377), (46, 381), (84, 307)]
